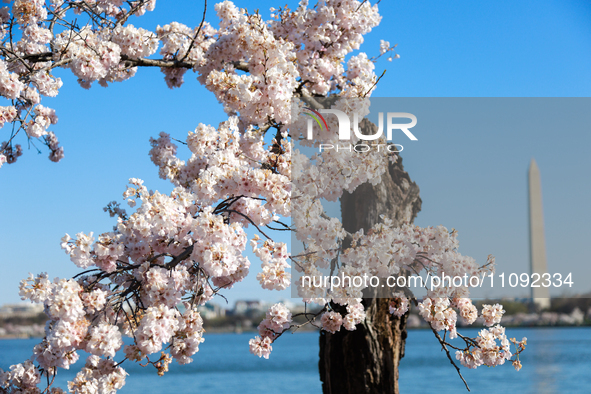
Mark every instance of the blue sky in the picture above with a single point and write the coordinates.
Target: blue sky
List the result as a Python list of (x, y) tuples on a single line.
[(448, 49)]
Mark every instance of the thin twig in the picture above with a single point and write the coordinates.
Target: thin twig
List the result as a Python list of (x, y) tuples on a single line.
[(375, 83), (197, 33), (444, 347)]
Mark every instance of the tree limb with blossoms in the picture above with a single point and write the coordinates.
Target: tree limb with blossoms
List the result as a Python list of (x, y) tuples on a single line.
[(174, 252)]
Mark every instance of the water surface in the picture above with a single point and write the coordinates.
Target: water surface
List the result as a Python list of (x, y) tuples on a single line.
[(557, 360)]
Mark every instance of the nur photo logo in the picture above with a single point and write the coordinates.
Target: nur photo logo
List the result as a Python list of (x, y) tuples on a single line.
[(345, 129)]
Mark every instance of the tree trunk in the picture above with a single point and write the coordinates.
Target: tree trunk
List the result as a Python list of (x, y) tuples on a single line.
[(366, 360)]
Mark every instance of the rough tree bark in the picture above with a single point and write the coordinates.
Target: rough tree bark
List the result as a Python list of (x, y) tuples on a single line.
[(366, 360)]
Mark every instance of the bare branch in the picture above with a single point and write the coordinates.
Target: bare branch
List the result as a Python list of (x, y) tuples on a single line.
[(240, 65), (444, 347), (142, 62), (197, 33)]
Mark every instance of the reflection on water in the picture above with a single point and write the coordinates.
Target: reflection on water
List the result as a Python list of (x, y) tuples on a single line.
[(547, 348), (556, 360)]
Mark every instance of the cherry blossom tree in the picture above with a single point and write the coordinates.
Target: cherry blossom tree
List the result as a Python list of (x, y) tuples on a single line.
[(173, 252)]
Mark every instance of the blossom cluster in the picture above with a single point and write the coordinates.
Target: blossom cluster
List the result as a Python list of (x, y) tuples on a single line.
[(21, 378), (322, 37), (265, 92), (274, 263), (176, 251), (38, 37), (98, 376), (181, 42), (487, 351), (9, 152), (437, 312), (399, 305), (385, 250), (277, 320), (252, 66)]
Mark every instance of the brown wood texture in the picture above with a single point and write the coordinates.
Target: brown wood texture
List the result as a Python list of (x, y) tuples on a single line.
[(366, 360)]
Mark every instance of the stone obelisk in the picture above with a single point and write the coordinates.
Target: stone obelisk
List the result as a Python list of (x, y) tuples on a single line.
[(537, 244)]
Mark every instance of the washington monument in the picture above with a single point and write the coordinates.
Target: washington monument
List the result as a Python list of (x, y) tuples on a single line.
[(537, 244)]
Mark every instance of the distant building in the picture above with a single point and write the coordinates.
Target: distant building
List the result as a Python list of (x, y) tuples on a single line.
[(293, 307), (211, 311), (249, 307), (20, 310)]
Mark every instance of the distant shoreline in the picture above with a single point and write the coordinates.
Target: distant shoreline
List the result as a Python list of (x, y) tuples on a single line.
[(253, 331)]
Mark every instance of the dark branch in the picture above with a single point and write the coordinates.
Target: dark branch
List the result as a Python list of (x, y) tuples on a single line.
[(444, 347), (142, 62)]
